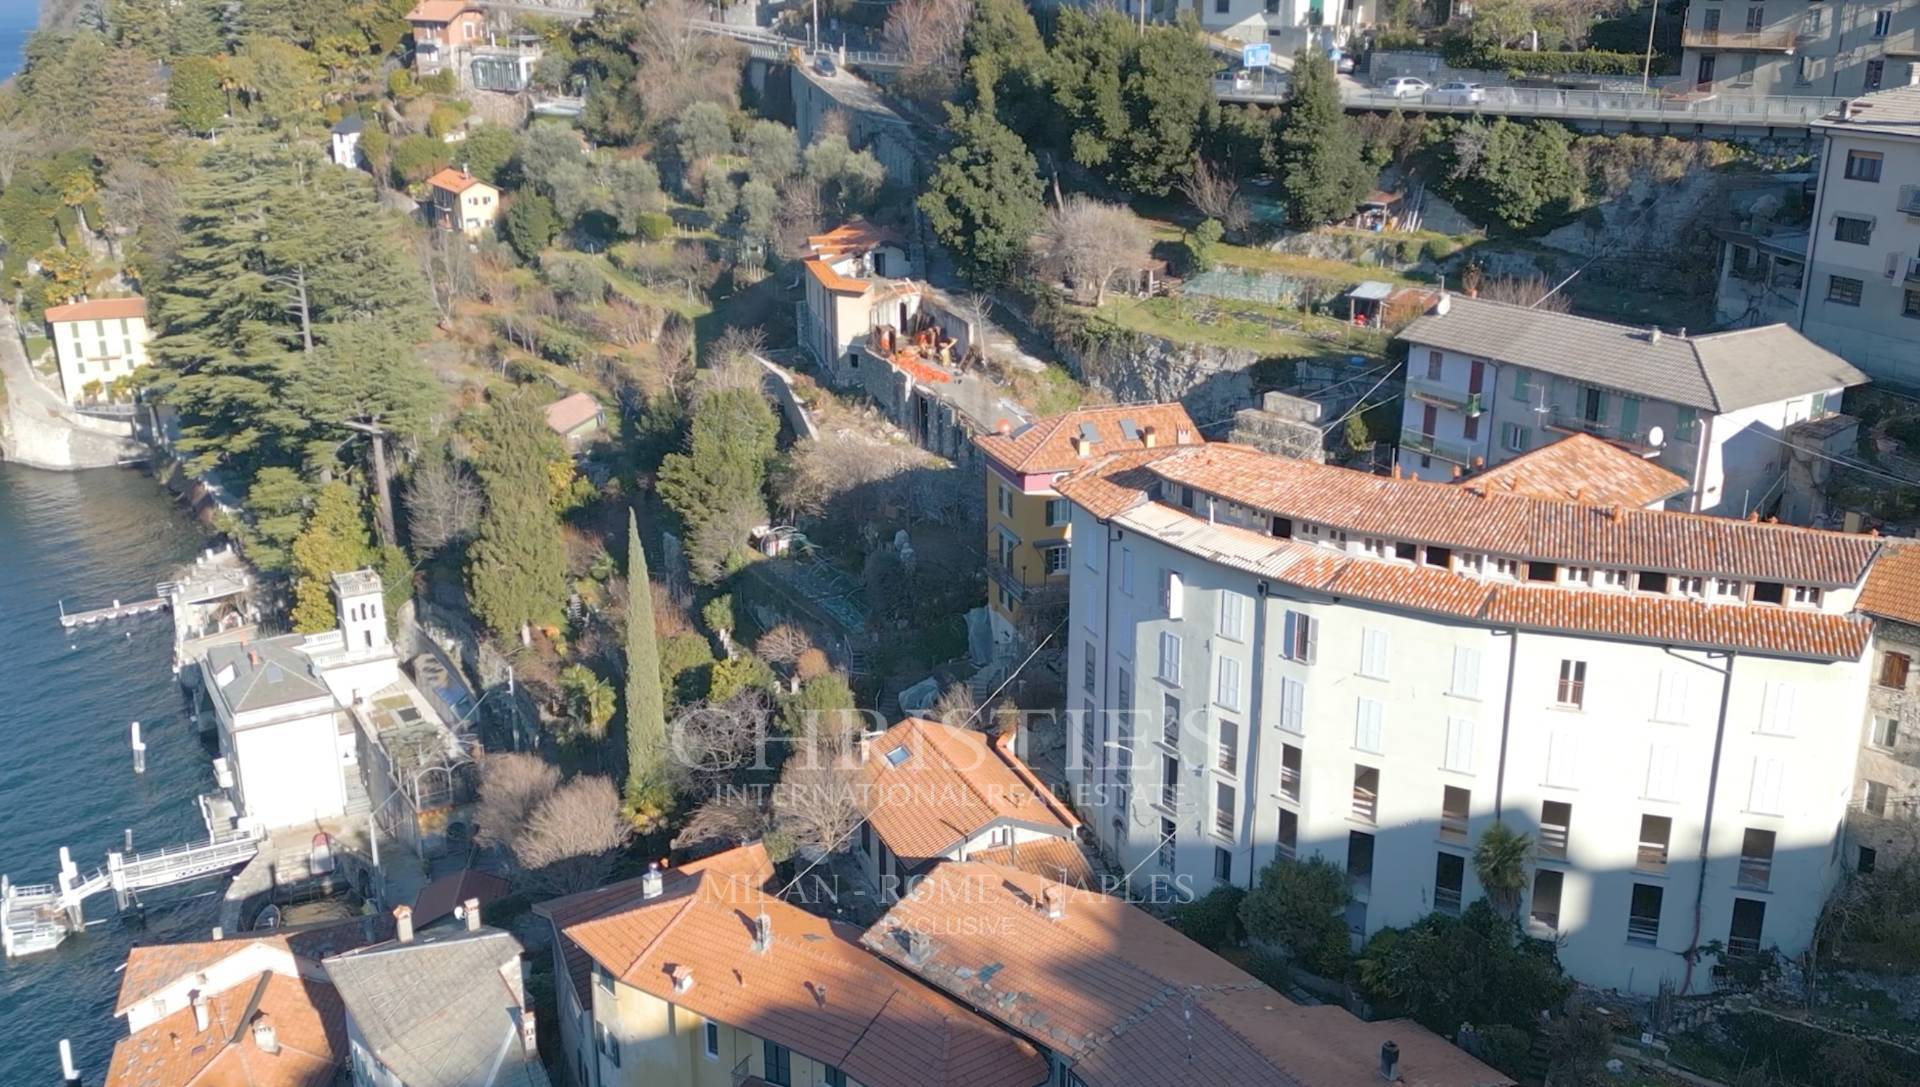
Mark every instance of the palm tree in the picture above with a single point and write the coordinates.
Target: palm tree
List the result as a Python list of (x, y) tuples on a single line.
[(1500, 860)]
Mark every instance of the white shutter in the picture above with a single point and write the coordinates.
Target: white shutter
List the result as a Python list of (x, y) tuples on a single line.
[(1366, 724), (1768, 794), (1233, 610), (1228, 692), (1663, 772), (1173, 594), (1777, 713), (1563, 757), (1466, 672), (1373, 653), (1293, 698), (1672, 702), (1459, 754), (1313, 638)]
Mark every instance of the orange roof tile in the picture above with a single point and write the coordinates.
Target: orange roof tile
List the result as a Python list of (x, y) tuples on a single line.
[(928, 787), (1057, 859), (852, 236), (1115, 991), (437, 11), (454, 181), (571, 411), (152, 967), (814, 991), (832, 280), (909, 362), (1580, 468), (1892, 590), (100, 309), (1047, 445), (308, 1021), (1513, 524)]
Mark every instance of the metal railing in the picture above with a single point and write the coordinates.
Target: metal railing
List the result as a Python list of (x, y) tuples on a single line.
[(1758, 40), (1643, 930), (1755, 873), (1652, 858), (1913, 270), (1290, 783), (1446, 899), (1366, 804), (1453, 826), (1415, 442), (1553, 842), (1223, 822), (1595, 105)]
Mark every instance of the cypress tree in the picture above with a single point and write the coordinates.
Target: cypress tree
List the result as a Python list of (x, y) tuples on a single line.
[(1322, 168), (334, 541), (517, 566), (646, 711)]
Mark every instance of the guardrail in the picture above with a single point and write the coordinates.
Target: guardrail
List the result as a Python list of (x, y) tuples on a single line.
[(1549, 102), (1757, 40)]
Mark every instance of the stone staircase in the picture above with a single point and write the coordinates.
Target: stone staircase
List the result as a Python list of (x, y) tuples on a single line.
[(358, 803)]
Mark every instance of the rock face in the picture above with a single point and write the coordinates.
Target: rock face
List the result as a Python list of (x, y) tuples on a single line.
[(1210, 382)]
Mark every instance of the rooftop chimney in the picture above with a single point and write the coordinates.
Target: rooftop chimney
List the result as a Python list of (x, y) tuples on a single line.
[(199, 1009), (253, 657), (1390, 1061), (1082, 448), (1442, 304), (471, 912), (1149, 435), (403, 924), (1004, 426), (1054, 898), (1653, 335), (653, 882), (762, 933), (682, 975), (265, 1038), (219, 934), (1396, 469), (1458, 471), (919, 947), (529, 1039)]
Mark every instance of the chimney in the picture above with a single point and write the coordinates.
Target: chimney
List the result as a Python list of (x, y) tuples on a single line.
[(529, 1037), (253, 657), (653, 882), (1442, 304), (199, 1008), (1479, 463), (1390, 1061), (403, 924), (1003, 427), (1054, 898), (1149, 435), (265, 1038), (762, 933), (1846, 110), (1082, 448), (682, 977), (1396, 469), (820, 993), (1458, 471), (1653, 335), (218, 934), (919, 947), (471, 911), (1683, 332)]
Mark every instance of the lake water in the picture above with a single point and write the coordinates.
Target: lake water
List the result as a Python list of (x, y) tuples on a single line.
[(17, 20), (66, 770)]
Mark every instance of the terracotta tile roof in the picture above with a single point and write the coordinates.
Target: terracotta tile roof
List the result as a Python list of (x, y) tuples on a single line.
[(1512, 524), (1893, 585), (1580, 468), (814, 991), (1115, 991), (152, 967), (832, 280), (1112, 485), (308, 1022), (100, 309), (572, 411), (454, 181), (852, 236), (1047, 445), (929, 787), (437, 11), (1057, 859)]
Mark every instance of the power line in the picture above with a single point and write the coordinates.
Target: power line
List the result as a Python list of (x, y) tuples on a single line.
[(1358, 404), (1857, 466)]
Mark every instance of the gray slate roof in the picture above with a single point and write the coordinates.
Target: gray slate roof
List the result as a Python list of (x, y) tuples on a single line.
[(349, 124), (438, 1010), (1894, 112), (1725, 371), (267, 673)]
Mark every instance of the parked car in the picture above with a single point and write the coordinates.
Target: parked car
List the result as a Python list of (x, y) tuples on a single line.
[(1406, 86), (1344, 65), (1459, 94)]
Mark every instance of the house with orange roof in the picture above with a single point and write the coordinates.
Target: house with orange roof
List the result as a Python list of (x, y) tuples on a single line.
[(1288, 659), (699, 976), (1027, 526), (440, 28), (256, 1009), (98, 342), (459, 201), (934, 792), (1580, 468), (576, 418), (1115, 997)]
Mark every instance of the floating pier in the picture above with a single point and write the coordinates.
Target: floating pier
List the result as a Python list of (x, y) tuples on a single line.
[(38, 917), (118, 610)]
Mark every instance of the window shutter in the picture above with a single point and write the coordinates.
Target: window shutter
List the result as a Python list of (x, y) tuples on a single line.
[(1173, 595), (1672, 702), (1287, 643), (1366, 724), (1313, 638), (1293, 695), (1563, 755), (1459, 755), (1663, 772), (1776, 716), (1769, 787), (1228, 694), (1373, 653), (1466, 672)]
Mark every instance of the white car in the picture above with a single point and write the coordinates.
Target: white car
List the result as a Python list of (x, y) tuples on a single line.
[(1459, 94), (1406, 86)]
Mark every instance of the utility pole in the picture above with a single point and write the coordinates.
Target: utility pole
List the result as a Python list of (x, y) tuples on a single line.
[(816, 24), (1646, 70)]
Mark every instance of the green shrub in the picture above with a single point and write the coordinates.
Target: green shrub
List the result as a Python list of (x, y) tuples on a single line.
[(1439, 249), (1212, 921), (653, 226), (1300, 906), (1462, 53), (564, 347)]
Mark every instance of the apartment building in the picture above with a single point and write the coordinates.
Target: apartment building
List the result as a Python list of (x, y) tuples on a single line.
[(1027, 530), (1087, 978), (1861, 297), (1804, 47), (1287, 25), (698, 977), (1488, 381), (98, 343), (1303, 660), (1883, 825)]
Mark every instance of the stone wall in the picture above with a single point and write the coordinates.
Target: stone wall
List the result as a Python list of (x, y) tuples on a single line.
[(1210, 382), (39, 438)]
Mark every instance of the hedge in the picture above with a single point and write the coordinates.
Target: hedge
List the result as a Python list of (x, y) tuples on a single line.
[(1463, 54)]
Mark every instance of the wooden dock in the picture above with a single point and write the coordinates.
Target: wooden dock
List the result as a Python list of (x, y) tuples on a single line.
[(118, 610)]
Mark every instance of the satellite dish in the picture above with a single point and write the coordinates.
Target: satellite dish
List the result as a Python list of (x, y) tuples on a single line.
[(1656, 437)]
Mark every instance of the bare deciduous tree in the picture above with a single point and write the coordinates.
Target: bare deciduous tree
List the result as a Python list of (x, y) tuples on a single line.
[(712, 738), (443, 504), (1086, 243), (799, 215), (679, 63), (817, 800), (930, 33), (733, 816), (956, 706), (674, 346), (511, 787), (569, 842), (827, 468), (1215, 193), (782, 645)]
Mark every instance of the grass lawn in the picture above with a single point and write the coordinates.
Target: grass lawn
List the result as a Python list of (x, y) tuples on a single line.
[(1252, 326), (1049, 392), (36, 347)]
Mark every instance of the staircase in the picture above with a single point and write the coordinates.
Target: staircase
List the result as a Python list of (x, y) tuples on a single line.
[(358, 803)]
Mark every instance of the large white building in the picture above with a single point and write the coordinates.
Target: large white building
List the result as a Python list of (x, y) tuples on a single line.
[(1861, 294), (1375, 670), (1489, 381), (1806, 47), (98, 343)]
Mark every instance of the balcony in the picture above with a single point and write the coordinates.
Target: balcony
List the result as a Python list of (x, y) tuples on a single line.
[(1552, 845), (1741, 41), (1652, 857), (1028, 590), (1432, 392), (1910, 200), (1366, 804), (1453, 826), (1412, 441), (1913, 270), (1447, 899), (1643, 930)]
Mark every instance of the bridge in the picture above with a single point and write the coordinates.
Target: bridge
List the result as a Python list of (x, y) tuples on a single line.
[(39, 917)]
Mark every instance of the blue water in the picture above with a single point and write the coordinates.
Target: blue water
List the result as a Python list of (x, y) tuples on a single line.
[(17, 20), (66, 771)]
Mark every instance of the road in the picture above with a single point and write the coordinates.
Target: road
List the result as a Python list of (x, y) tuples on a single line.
[(21, 383)]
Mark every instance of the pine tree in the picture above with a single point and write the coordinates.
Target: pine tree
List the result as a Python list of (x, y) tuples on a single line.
[(983, 200), (334, 541), (1323, 171), (729, 443), (647, 788), (517, 566), (193, 93)]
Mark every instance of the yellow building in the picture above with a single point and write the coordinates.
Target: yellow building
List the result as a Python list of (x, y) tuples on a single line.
[(462, 202), (1027, 539), (696, 977), (97, 342)]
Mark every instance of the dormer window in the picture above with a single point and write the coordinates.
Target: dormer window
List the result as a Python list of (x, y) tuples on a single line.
[(1807, 596), (1466, 562), (1769, 592), (1579, 575), (1614, 579), (1338, 538), (1310, 531), (1689, 586), (1375, 546), (1507, 568), (1725, 589), (1652, 582)]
